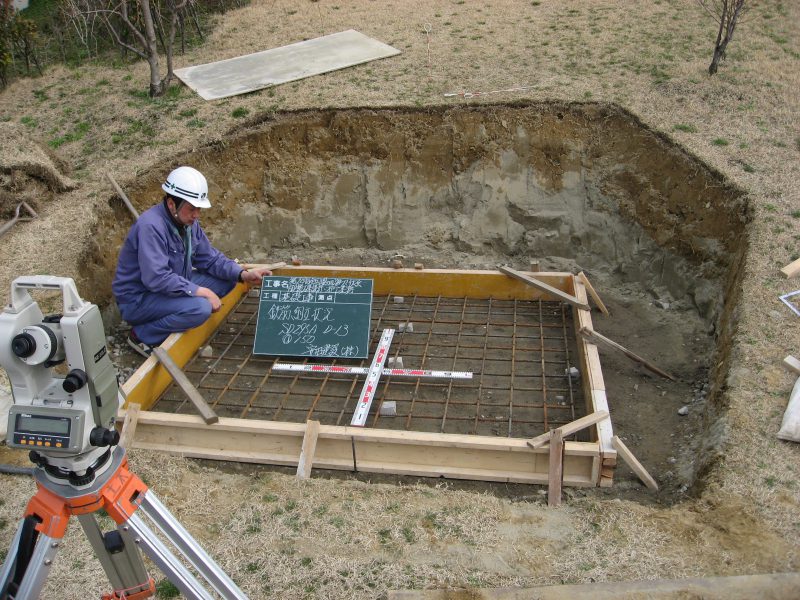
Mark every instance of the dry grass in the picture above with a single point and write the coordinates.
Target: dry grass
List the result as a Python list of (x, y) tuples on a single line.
[(650, 58)]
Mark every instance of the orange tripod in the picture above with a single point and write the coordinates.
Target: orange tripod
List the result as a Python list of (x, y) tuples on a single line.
[(126, 499)]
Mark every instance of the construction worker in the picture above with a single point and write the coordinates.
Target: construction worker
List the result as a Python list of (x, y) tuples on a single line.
[(169, 277)]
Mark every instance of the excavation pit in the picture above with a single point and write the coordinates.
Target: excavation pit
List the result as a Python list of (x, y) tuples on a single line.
[(575, 187)]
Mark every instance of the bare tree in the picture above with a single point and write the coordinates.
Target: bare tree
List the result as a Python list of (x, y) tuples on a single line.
[(137, 18), (727, 13)]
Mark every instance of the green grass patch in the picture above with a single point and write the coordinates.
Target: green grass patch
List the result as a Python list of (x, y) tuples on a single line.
[(685, 128), (240, 112), (80, 130), (166, 589), (720, 142)]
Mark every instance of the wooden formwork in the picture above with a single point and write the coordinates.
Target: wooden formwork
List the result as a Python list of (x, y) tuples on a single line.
[(376, 450)]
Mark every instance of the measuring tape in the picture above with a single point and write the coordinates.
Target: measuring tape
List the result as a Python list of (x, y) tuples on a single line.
[(311, 368)]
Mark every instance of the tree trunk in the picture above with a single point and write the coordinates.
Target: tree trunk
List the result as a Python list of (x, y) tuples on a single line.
[(718, 55), (156, 85)]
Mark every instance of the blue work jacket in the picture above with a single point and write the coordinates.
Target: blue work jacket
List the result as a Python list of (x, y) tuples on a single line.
[(153, 258)]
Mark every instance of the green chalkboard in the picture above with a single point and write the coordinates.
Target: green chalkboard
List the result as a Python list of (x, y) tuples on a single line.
[(313, 316)]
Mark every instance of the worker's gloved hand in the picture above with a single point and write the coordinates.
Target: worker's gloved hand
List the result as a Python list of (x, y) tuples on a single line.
[(209, 295), (255, 275)]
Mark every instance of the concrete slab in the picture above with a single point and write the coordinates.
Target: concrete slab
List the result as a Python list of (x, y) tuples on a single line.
[(280, 65)]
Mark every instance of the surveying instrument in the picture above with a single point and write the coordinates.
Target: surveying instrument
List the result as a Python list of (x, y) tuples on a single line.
[(67, 422)]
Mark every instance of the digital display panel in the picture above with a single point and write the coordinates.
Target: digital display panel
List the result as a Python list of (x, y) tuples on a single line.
[(45, 425)]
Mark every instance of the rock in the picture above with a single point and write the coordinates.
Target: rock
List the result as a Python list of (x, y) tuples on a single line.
[(662, 304), (774, 314), (573, 373), (683, 411), (207, 352)]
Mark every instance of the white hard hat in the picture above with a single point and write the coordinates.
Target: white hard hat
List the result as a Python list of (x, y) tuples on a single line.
[(189, 184)]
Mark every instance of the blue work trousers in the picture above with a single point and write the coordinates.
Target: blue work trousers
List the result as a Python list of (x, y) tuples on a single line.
[(154, 316)]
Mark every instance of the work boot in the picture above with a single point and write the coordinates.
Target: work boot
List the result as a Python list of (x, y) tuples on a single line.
[(138, 345)]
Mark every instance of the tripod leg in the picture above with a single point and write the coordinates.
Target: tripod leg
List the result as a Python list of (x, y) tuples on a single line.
[(28, 562), (119, 555), (166, 561), (10, 564), (194, 553)]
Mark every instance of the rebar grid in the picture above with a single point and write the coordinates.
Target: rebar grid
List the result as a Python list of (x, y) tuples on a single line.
[(519, 353)]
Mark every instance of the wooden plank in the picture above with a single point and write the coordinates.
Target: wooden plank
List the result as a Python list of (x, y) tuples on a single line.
[(773, 586), (544, 287), (270, 266), (597, 338), (445, 282), (209, 416), (792, 269), (570, 428), (129, 426), (556, 468), (792, 364), (593, 293), (605, 431), (307, 452), (379, 451), (634, 464)]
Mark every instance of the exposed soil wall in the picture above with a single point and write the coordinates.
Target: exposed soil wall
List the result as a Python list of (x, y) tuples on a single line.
[(586, 185)]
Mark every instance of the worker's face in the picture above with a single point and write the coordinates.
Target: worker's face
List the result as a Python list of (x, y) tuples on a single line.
[(186, 214)]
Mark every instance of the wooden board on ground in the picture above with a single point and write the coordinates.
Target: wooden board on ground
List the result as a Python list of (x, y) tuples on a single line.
[(271, 67)]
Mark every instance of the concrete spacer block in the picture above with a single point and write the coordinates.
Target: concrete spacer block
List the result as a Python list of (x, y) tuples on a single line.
[(389, 409)]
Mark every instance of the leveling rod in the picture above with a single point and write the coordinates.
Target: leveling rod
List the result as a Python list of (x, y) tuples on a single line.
[(373, 376), (312, 368)]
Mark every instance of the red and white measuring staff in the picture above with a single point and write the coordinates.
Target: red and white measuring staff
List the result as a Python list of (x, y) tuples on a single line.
[(344, 370), (371, 384)]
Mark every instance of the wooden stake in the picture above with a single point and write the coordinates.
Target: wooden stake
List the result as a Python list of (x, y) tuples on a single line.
[(634, 464), (541, 285), (597, 338), (792, 364), (129, 425), (570, 428), (792, 269), (593, 293), (209, 416), (556, 470), (535, 266), (270, 266), (307, 452), (122, 195)]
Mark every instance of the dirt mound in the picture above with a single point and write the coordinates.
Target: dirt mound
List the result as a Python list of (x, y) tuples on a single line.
[(28, 172)]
